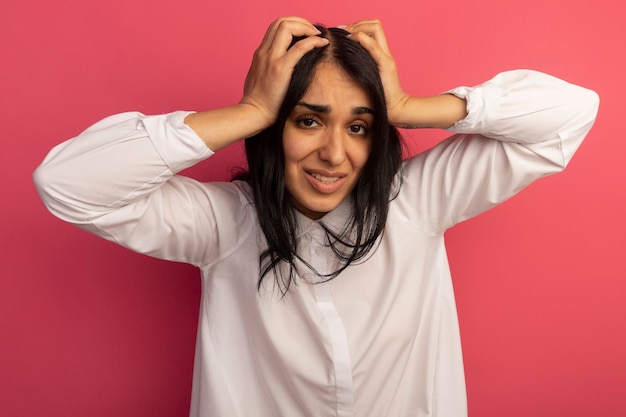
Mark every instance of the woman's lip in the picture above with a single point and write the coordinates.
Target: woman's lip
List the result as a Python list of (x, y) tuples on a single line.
[(329, 174), (325, 182)]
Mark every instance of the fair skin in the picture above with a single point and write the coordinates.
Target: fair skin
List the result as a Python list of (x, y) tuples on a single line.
[(326, 141), (265, 87)]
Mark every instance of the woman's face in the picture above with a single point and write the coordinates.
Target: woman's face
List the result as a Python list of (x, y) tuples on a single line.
[(326, 140)]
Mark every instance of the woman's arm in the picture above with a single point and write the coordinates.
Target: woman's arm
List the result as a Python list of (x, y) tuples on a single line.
[(265, 86), (117, 178), (404, 110), (440, 111), (521, 125), (517, 127)]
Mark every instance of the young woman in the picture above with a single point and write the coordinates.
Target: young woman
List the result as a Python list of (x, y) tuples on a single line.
[(326, 288)]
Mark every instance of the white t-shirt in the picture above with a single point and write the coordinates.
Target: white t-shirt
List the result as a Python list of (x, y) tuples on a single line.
[(381, 339)]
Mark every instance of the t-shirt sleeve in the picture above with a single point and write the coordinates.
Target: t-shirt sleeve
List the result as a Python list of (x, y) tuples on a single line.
[(118, 179), (521, 125)]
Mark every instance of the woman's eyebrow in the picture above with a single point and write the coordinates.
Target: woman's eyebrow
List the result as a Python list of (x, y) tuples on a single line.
[(362, 110), (319, 108)]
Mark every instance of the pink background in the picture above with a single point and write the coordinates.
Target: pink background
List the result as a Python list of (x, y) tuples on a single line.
[(90, 329)]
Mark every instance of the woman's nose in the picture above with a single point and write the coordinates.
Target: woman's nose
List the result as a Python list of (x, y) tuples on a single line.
[(333, 150)]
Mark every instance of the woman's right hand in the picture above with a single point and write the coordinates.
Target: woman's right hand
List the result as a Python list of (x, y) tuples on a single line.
[(265, 87), (273, 63)]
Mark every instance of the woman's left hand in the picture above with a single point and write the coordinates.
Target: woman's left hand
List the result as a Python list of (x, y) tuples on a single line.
[(404, 110), (370, 35)]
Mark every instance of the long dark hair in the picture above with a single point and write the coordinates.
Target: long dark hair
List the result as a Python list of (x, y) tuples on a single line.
[(371, 194)]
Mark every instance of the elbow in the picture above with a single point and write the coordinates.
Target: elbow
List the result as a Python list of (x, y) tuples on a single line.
[(50, 186), (589, 106), (44, 184), (41, 183), (591, 100), (583, 104), (574, 133)]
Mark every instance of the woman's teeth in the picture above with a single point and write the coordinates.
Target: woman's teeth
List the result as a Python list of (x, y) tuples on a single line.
[(324, 179)]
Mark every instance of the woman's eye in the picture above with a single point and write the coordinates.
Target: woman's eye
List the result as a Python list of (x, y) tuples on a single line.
[(307, 122), (358, 130)]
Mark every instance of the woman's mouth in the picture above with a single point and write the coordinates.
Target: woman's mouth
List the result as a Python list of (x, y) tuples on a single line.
[(323, 178), (326, 183)]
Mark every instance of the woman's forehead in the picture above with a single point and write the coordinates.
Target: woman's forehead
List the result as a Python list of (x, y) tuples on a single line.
[(331, 84)]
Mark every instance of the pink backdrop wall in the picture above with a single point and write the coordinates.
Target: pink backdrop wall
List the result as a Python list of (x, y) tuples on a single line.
[(89, 329)]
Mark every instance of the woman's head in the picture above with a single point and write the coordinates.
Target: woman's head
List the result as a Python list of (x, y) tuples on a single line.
[(331, 139), (326, 141)]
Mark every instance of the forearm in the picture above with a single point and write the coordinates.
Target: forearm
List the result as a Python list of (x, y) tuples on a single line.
[(224, 126), (441, 111)]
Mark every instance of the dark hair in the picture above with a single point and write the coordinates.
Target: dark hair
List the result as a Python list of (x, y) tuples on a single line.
[(372, 192)]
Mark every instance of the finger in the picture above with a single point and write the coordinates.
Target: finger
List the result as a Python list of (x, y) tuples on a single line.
[(372, 28), (287, 30), (281, 31), (273, 27), (364, 22), (372, 46), (300, 48)]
